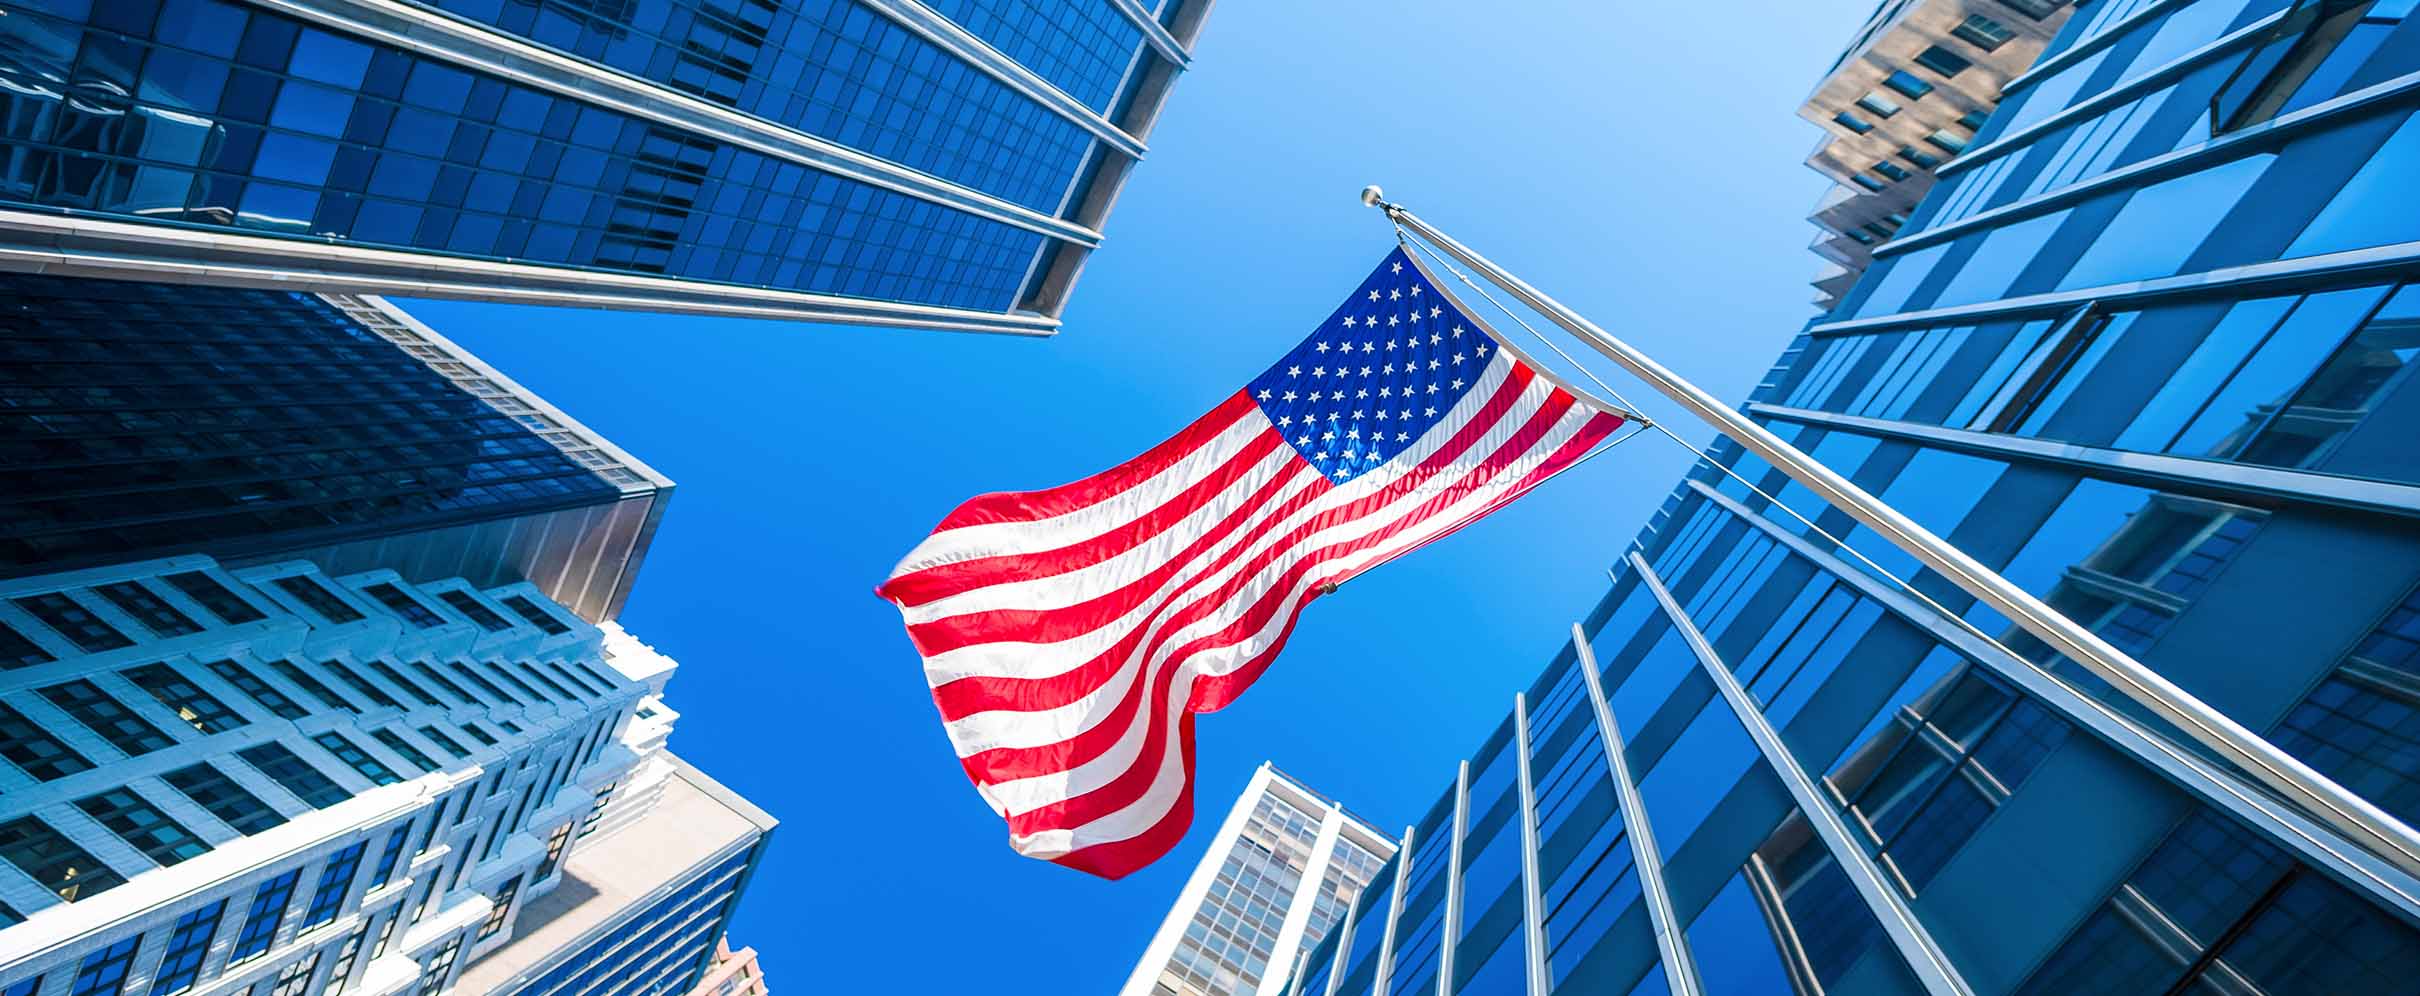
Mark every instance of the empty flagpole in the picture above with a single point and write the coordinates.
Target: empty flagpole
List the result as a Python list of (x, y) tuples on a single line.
[(2332, 804)]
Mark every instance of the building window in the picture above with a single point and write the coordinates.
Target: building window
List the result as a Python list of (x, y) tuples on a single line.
[(444, 743), (404, 749), (376, 695), (250, 684), (295, 774), (18, 652), (1876, 104), (87, 631), (386, 934), (1869, 183), (544, 620), (235, 806), (2036, 9), (1947, 141), (441, 968), (1906, 84), (1922, 159), (503, 910), (430, 674), (335, 883), (2307, 58), (295, 979), (1892, 170), (313, 686), (107, 717), (569, 679), (104, 972), (1983, 32), (228, 606), (499, 695), (541, 678), (396, 678), (476, 611), (340, 975), (1924, 785), (1943, 61), (206, 714), (405, 605), (356, 758), (555, 843), (261, 920), (319, 599), (188, 944), (154, 613), (391, 856), (506, 674), (1972, 121), (135, 820), (596, 810), (485, 738), (53, 861), (33, 749)]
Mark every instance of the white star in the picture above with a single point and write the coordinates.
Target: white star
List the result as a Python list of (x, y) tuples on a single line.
[(1365, 371), (1352, 434), (1435, 312), (1369, 347), (1459, 358), (1293, 371), (1288, 396), (1457, 331), (1394, 295), (1432, 411), (1402, 436), (1348, 321), (1386, 392), (1370, 321), (1397, 268), (1480, 349), (1415, 316), (1407, 413), (1303, 440), (1373, 295), (1349, 454), (1382, 414), (1435, 339), (1323, 454), (1320, 348), (1389, 368), (1284, 420), (1432, 387), (1390, 321), (1356, 414), (1390, 344), (1457, 383), (1341, 474), (1415, 290), (1363, 393), (1327, 437), (1264, 394), (1434, 364)]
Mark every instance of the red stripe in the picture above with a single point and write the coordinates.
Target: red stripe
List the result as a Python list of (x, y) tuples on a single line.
[(1211, 692), (1117, 859), (1027, 694), (942, 580), (1025, 506)]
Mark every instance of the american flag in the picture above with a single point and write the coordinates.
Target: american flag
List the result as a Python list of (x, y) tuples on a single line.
[(1070, 634)]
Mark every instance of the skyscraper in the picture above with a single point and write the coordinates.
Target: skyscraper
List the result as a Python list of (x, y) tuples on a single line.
[(733, 973), (275, 780), (1915, 82), (256, 425), (1285, 866), (881, 161), (2146, 349)]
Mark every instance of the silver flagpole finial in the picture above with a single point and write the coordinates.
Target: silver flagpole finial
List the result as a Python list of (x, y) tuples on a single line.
[(1372, 196)]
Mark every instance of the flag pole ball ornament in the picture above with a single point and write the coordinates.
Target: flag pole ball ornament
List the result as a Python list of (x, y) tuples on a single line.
[(1071, 634)]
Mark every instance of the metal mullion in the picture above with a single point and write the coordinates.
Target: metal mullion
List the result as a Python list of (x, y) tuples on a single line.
[(1394, 912), (1449, 930), (2240, 484), (1672, 946), (1533, 917), (1925, 959), (2310, 841)]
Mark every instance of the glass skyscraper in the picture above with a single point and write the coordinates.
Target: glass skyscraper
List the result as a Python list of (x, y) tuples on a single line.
[(882, 161), (152, 419), (2147, 349)]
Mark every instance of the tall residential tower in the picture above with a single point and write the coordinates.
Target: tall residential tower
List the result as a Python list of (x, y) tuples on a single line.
[(2147, 349), (942, 165)]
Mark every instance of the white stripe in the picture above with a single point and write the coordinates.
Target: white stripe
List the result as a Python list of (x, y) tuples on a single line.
[(1026, 794), (1168, 782), (1028, 660), (1058, 591), (991, 539)]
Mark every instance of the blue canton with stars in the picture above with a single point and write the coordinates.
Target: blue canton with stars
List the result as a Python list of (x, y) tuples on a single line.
[(1381, 371)]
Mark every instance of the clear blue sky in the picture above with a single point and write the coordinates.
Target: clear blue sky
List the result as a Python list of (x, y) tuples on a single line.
[(1640, 161)]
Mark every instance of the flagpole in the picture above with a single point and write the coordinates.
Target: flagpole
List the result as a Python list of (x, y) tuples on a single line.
[(2349, 814)]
